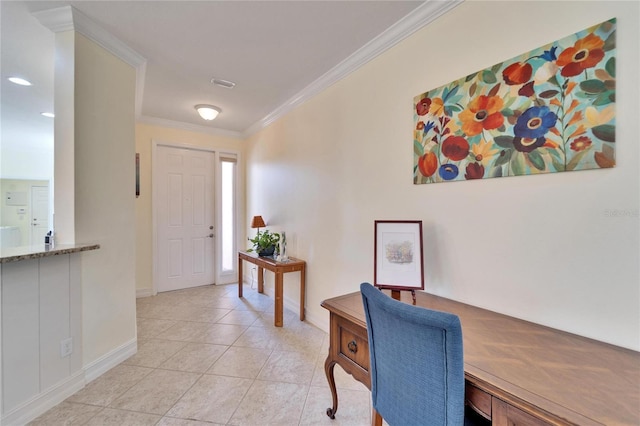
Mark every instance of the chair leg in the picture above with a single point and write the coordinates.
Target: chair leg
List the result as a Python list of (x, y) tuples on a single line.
[(376, 418)]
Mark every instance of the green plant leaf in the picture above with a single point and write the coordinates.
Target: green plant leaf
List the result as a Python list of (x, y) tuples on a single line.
[(489, 77), (517, 164), (418, 149), (605, 132), (605, 98), (559, 166), (504, 141), (610, 43), (536, 160), (592, 86), (470, 77), (503, 158), (573, 163), (610, 66)]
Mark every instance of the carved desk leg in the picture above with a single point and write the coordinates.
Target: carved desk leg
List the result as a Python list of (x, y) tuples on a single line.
[(328, 370)]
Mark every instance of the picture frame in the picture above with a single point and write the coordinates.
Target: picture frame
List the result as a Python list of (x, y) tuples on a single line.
[(398, 255)]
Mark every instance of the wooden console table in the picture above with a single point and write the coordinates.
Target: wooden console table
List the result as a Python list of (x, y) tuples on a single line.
[(279, 269), (517, 372)]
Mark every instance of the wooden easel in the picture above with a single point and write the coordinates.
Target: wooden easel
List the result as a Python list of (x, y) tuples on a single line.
[(395, 294)]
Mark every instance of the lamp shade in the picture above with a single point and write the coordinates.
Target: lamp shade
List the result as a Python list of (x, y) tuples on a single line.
[(208, 112), (257, 222)]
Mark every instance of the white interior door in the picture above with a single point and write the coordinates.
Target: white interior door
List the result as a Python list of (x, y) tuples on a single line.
[(39, 214), (185, 234)]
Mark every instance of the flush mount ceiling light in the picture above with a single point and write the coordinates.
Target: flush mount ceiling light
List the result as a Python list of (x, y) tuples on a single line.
[(20, 81), (208, 112), (48, 114)]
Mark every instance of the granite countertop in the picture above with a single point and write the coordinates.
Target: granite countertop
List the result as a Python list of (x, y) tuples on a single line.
[(16, 254)]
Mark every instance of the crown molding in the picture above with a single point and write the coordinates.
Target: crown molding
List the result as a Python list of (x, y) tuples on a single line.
[(181, 125), (424, 14), (68, 18)]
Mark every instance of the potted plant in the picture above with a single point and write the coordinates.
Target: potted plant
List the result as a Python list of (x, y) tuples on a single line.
[(264, 243)]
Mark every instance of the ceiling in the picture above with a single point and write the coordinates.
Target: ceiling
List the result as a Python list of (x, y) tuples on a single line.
[(276, 52)]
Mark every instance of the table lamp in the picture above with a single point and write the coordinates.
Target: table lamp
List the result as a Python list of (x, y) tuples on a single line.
[(257, 222)]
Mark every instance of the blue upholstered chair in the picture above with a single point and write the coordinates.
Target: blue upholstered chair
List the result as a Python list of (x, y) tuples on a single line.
[(416, 363)]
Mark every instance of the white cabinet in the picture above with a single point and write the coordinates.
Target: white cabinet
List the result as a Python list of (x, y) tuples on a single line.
[(41, 310)]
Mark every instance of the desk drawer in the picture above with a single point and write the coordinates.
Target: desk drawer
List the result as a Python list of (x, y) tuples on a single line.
[(478, 400), (354, 345)]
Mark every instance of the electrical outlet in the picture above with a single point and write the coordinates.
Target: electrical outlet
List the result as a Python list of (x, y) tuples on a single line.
[(66, 347)]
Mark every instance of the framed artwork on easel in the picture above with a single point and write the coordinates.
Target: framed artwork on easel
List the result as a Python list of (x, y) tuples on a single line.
[(398, 255)]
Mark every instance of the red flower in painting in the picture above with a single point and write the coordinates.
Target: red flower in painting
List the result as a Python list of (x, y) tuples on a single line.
[(422, 107), (517, 73), (474, 171), (455, 148), (483, 113), (586, 53), (428, 164), (581, 143)]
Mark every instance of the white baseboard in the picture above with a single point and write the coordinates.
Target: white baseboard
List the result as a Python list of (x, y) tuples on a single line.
[(143, 292), (48, 399), (106, 362)]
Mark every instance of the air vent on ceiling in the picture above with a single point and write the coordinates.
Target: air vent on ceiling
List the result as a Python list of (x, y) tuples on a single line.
[(223, 83)]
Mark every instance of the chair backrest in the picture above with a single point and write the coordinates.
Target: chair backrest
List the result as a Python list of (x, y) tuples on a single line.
[(416, 362)]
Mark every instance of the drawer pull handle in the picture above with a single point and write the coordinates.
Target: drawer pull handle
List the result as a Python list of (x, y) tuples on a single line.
[(352, 346)]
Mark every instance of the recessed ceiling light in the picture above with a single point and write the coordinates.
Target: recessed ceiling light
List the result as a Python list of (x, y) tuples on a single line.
[(48, 114), (20, 81), (223, 83)]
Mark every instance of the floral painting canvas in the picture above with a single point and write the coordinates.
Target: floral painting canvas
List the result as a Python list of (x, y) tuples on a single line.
[(549, 110)]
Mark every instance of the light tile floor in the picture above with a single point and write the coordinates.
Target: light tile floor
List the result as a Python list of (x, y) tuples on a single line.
[(207, 357)]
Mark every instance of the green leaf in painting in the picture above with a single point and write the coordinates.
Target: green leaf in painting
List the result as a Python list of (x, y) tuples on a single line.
[(494, 90), (536, 160), (610, 66), (592, 86), (503, 158), (557, 165), (605, 98), (517, 164), (554, 80), (610, 43), (504, 141), (605, 132), (470, 77), (496, 68), (489, 77), (418, 149), (547, 94), (571, 165), (507, 112), (496, 172)]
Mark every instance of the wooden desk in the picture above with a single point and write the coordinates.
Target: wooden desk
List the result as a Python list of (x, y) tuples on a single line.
[(279, 269), (517, 372)]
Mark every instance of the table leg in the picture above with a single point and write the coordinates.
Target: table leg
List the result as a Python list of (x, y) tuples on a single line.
[(239, 276), (328, 371), (279, 301), (302, 287), (260, 279)]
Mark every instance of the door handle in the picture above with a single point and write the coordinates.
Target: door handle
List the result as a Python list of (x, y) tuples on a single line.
[(210, 235)]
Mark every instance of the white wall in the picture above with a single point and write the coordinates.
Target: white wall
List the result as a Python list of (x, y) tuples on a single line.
[(542, 248), (104, 192)]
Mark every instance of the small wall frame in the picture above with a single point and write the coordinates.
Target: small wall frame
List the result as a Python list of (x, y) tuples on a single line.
[(398, 255)]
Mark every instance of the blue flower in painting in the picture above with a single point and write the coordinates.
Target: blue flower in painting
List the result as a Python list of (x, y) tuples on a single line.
[(448, 171), (535, 122), (430, 125), (550, 55)]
